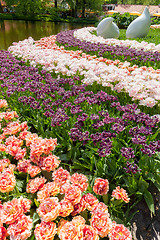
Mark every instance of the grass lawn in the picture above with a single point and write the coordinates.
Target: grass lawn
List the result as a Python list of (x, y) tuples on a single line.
[(152, 37)]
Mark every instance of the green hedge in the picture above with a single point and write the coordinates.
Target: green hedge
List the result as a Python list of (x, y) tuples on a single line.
[(123, 20)]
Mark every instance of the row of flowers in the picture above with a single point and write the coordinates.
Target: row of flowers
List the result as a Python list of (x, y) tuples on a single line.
[(134, 56), (86, 34), (142, 83), (43, 208)]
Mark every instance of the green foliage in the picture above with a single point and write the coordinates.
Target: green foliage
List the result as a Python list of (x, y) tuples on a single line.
[(89, 4), (54, 13), (111, 2), (82, 5), (123, 20), (155, 20), (11, 2), (6, 16), (94, 5), (28, 7), (149, 200), (71, 3)]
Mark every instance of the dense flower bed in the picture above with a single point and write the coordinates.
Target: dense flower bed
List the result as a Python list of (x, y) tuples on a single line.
[(82, 100), (142, 83), (85, 34), (120, 51), (97, 134), (31, 206)]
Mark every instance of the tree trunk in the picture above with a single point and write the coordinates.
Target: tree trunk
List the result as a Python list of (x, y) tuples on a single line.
[(55, 3), (1, 9), (76, 8), (83, 8), (73, 10)]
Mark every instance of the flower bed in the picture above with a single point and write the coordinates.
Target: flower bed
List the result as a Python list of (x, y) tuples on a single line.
[(155, 26), (121, 50), (32, 207), (136, 81), (85, 34), (97, 134), (82, 101)]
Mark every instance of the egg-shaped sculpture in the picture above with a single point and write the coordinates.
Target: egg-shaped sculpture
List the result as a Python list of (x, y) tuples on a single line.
[(107, 28), (140, 26)]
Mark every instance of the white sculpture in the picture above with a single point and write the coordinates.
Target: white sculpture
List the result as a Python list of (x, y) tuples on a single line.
[(107, 28), (140, 26)]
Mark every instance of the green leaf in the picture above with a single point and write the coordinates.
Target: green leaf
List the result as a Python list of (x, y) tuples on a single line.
[(149, 200), (19, 185), (35, 218), (31, 238), (158, 156), (155, 135), (157, 185), (36, 202), (105, 198), (139, 193), (117, 220), (63, 157), (78, 165), (157, 177), (84, 214), (133, 185), (142, 184), (150, 177)]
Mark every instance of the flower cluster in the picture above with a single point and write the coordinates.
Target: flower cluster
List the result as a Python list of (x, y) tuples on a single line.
[(120, 193), (12, 213), (85, 34), (111, 48), (32, 158), (74, 202), (66, 195)]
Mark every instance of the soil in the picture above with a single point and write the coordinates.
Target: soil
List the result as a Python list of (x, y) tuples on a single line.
[(144, 225)]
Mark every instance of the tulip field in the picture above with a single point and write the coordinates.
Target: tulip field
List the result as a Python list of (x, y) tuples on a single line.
[(80, 135)]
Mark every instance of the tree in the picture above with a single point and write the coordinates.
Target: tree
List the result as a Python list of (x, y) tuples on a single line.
[(9, 3), (111, 1), (28, 7), (82, 5), (83, 8), (55, 3), (95, 5), (1, 9), (73, 5)]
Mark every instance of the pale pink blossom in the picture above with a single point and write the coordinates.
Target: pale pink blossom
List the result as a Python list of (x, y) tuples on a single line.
[(49, 209)]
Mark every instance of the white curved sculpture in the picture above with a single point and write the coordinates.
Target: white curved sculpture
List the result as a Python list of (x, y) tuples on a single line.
[(140, 26), (107, 28)]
